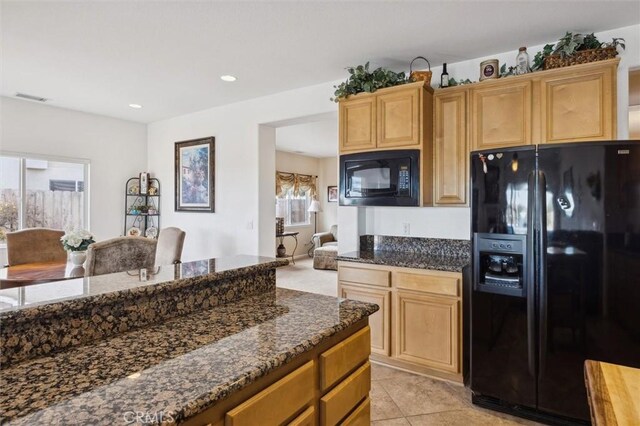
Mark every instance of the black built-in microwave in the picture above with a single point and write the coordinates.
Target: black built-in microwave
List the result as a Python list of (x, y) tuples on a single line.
[(381, 178)]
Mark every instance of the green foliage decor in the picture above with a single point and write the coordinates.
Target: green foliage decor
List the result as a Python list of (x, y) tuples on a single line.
[(571, 43), (362, 80)]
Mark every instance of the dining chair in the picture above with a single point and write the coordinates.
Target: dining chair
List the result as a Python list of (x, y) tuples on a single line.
[(35, 245), (170, 243), (120, 254)]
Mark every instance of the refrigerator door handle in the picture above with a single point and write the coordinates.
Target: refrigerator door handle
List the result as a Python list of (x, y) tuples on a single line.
[(541, 248), (530, 277)]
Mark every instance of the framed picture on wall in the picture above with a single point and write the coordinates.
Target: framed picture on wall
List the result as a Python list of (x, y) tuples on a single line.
[(332, 194), (194, 175)]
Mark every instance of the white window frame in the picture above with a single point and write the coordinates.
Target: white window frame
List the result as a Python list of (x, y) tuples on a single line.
[(22, 186), (289, 196)]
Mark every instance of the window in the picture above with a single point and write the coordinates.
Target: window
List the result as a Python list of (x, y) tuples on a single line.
[(42, 192), (294, 209)]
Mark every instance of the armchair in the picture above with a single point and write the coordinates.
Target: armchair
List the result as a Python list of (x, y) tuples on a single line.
[(326, 238)]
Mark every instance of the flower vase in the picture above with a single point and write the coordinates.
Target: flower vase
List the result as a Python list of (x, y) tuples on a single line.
[(78, 257)]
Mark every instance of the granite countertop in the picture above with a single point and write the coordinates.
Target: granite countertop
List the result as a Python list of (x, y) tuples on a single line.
[(176, 368), (404, 259), (56, 295)]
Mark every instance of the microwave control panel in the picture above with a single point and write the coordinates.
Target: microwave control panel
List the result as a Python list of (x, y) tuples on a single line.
[(404, 181)]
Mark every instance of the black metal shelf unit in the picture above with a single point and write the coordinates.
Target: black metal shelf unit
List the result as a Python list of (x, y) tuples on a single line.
[(135, 205)]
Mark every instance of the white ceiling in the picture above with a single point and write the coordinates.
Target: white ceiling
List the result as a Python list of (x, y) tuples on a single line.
[(168, 56), (315, 139)]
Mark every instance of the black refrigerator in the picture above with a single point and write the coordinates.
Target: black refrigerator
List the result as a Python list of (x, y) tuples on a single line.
[(555, 273)]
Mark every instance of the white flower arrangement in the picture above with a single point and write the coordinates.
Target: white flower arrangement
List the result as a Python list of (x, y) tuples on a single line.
[(77, 240)]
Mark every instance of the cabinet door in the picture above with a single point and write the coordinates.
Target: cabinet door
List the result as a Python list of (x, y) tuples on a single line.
[(579, 108), (358, 124), (428, 330), (501, 116), (450, 150), (398, 118), (380, 322)]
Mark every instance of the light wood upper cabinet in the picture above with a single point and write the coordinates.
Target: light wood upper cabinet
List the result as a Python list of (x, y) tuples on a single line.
[(358, 124), (579, 107), (398, 118), (428, 330), (450, 148), (501, 115)]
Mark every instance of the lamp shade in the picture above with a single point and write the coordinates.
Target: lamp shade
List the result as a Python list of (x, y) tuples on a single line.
[(314, 207)]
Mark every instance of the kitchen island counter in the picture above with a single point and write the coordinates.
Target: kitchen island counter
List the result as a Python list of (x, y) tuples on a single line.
[(175, 369)]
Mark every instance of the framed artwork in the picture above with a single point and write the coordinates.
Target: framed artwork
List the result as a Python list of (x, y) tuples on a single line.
[(195, 173), (332, 194)]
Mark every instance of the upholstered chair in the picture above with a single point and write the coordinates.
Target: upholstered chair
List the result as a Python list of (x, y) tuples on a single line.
[(330, 238), (35, 245), (170, 243), (120, 254)]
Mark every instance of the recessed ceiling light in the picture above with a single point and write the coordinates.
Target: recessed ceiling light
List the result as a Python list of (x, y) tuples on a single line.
[(228, 78), (136, 106)]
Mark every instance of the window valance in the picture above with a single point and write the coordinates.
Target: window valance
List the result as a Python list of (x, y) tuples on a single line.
[(298, 182)]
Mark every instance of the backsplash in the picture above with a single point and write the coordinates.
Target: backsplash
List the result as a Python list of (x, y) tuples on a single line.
[(431, 246)]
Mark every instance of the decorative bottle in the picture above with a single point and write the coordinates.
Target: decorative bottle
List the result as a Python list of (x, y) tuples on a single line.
[(444, 77), (522, 62)]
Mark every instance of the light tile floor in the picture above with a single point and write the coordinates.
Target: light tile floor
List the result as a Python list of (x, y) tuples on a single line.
[(399, 398)]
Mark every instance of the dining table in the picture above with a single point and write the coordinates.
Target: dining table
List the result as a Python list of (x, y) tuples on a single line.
[(37, 273)]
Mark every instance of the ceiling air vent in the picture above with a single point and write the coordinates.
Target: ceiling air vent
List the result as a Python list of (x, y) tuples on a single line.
[(31, 97)]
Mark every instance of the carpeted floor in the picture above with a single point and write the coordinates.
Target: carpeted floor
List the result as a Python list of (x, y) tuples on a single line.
[(303, 277)]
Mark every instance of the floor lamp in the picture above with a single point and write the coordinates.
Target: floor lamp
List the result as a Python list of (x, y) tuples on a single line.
[(314, 208)]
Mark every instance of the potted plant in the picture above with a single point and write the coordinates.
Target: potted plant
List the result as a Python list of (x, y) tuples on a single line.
[(76, 243), (574, 49), (362, 80)]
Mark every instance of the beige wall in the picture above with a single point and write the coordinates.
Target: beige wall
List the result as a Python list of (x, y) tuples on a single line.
[(328, 176), (295, 163)]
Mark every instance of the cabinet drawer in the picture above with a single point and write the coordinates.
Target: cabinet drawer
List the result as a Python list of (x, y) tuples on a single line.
[(335, 405), (307, 418), (344, 357), (364, 276), (278, 402), (448, 286), (361, 416)]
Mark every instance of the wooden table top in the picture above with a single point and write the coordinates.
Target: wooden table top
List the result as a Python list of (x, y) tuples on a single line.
[(34, 273), (614, 393)]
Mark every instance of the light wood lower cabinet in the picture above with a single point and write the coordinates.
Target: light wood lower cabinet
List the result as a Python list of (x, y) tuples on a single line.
[(421, 328), (381, 320), (428, 330), (328, 385), (278, 402), (307, 418)]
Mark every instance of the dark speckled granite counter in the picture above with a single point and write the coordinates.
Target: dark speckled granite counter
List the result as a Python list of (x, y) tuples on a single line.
[(406, 260), (177, 367), (41, 319), (438, 254)]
